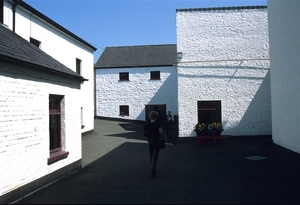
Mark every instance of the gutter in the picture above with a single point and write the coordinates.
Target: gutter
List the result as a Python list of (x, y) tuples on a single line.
[(74, 76)]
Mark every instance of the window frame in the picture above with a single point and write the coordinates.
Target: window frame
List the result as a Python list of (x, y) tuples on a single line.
[(125, 76), (154, 75), (124, 110), (56, 153), (78, 66), (35, 42), (209, 111), (81, 113)]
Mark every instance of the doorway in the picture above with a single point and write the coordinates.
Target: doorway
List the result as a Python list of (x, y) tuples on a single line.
[(209, 111), (161, 109)]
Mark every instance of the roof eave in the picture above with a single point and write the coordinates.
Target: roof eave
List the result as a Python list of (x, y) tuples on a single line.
[(49, 70), (53, 23), (137, 66), (223, 8)]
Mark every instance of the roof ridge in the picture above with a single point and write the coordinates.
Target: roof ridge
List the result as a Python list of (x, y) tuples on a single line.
[(141, 45), (138, 56), (223, 8)]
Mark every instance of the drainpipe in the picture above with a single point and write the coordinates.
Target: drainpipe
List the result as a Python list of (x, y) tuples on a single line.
[(14, 13)]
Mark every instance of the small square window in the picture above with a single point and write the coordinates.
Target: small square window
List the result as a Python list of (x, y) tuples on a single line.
[(124, 76), (78, 66), (82, 124), (155, 75), (35, 42), (124, 110)]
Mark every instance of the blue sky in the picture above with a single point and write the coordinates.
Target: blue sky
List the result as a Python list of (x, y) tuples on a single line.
[(105, 23)]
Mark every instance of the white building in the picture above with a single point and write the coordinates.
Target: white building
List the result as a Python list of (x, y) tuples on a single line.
[(223, 74), (58, 42), (131, 81), (284, 32), (40, 138), (47, 99)]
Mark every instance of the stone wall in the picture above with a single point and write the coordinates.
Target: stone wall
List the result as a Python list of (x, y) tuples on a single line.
[(24, 125), (138, 92), (225, 56)]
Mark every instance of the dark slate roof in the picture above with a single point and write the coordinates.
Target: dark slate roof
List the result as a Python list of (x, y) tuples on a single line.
[(51, 22), (138, 56), (223, 8), (15, 49)]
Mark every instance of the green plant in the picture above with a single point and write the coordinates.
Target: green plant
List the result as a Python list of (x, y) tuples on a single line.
[(214, 126), (199, 127), (209, 126)]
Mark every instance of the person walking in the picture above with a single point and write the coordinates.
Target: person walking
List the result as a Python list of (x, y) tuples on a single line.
[(168, 124), (175, 129), (154, 132)]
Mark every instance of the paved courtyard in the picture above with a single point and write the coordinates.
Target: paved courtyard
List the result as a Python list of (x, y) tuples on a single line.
[(238, 170)]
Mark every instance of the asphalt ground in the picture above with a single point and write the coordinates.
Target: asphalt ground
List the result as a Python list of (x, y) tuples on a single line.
[(116, 170)]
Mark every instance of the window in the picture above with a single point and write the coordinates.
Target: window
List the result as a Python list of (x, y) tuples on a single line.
[(55, 115), (124, 76), (124, 110), (155, 75), (35, 42), (82, 125), (1, 11), (78, 66), (209, 111)]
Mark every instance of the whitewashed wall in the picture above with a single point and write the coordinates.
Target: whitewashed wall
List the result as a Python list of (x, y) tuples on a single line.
[(225, 57), (137, 92), (61, 47), (284, 35), (24, 125)]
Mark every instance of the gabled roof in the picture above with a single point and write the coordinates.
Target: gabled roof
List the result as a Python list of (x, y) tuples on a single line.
[(51, 22), (15, 49), (138, 56), (223, 8)]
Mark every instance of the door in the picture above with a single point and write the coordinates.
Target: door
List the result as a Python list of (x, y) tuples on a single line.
[(209, 111), (161, 109)]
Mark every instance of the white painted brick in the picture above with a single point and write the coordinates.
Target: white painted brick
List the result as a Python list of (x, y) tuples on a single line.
[(284, 35), (137, 92), (61, 47), (24, 126), (225, 57)]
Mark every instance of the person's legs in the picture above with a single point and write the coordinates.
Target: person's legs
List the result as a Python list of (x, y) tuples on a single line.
[(175, 136), (169, 133), (154, 161), (151, 151), (150, 154)]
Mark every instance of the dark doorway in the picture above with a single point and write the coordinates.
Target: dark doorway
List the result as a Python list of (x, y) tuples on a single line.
[(209, 111), (161, 109)]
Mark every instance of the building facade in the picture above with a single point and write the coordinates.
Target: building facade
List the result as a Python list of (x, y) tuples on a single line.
[(47, 99), (284, 35), (131, 81), (223, 70), (58, 42), (40, 132)]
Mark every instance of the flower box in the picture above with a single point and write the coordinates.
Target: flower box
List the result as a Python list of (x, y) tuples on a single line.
[(207, 130)]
